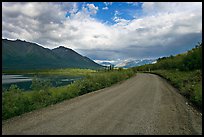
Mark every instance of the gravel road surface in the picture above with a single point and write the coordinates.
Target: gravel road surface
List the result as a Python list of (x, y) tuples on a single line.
[(142, 105)]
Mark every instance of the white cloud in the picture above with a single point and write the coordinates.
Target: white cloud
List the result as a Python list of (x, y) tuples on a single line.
[(45, 23), (108, 3), (105, 8), (109, 61), (73, 8), (116, 17), (152, 8), (133, 3), (93, 9)]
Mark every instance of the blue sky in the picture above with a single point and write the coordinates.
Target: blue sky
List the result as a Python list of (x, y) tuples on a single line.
[(107, 30), (107, 10), (125, 11)]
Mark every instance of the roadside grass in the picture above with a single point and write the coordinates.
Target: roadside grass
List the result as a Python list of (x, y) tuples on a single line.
[(68, 71), (64, 71), (16, 102), (189, 83)]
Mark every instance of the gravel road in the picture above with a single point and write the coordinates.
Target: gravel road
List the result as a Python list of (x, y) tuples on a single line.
[(142, 105)]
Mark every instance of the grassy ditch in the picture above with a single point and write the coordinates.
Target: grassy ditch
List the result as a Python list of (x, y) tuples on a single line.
[(16, 102)]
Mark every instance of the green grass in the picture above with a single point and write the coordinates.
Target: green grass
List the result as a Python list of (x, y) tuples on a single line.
[(16, 102), (189, 83), (67, 71), (70, 72)]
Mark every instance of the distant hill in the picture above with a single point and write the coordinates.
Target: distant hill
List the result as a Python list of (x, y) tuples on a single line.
[(22, 55)]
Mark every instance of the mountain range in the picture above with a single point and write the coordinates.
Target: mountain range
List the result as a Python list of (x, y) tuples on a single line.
[(22, 55), (127, 63), (134, 63)]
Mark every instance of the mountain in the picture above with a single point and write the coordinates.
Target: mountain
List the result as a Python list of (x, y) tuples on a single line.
[(106, 64), (134, 63), (128, 63), (74, 58), (21, 55)]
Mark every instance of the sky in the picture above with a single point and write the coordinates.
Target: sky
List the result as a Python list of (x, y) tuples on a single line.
[(106, 30)]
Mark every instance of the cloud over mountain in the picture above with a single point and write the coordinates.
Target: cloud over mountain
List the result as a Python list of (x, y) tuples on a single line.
[(161, 29)]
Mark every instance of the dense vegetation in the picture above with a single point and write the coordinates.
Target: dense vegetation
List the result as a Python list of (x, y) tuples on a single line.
[(16, 102), (184, 71)]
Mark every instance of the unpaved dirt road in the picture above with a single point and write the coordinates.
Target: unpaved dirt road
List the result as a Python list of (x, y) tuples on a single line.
[(144, 104)]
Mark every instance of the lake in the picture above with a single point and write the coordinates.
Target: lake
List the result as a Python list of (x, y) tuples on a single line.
[(25, 81)]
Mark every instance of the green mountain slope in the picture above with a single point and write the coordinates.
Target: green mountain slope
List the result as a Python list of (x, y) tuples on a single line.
[(74, 59), (22, 55)]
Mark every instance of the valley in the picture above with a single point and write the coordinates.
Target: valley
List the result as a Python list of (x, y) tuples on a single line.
[(102, 68)]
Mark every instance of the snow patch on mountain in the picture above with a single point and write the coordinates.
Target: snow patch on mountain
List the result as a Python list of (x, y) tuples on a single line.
[(127, 63)]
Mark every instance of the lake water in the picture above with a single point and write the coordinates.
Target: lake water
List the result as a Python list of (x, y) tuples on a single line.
[(25, 81)]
